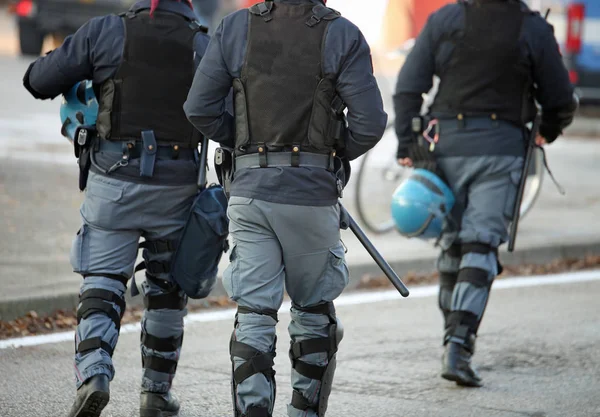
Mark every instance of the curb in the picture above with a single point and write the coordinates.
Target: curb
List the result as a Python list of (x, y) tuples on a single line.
[(584, 125), (11, 309)]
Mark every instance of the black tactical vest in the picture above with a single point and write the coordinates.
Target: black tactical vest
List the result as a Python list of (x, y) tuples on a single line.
[(483, 77), (153, 81), (282, 99)]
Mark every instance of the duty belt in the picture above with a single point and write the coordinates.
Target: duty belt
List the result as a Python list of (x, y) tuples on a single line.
[(285, 159), (135, 149)]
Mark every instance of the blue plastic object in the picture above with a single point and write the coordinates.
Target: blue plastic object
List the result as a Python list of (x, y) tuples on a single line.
[(421, 204), (79, 108)]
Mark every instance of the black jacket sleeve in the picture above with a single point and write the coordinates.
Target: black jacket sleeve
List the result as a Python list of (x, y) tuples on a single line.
[(415, 79), (554, 91), (55, 73)]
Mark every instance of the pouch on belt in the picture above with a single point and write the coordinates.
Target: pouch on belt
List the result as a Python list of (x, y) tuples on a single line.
[(195, 263), (204, 239)]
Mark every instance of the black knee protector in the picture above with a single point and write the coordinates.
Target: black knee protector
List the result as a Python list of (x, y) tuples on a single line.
[(98, 301), (256, 362), (327, 345)]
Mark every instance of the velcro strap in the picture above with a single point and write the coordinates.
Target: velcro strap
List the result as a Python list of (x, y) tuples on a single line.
[(256, 361), (306, 347), (88, 345), (475, 276), (481, 248), (159, 246), (171, 301), (310, 371), (157, 364), (104, 295), (300, 403), (91, 306), (123, 280), (266, 312), (325, 309), (257, 412), (168, 344)]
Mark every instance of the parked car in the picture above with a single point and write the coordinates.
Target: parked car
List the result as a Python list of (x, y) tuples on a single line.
[(38, 18)]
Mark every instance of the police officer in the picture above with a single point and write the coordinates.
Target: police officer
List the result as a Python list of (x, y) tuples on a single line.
[(289, 62), (489, 56), (142, 184)]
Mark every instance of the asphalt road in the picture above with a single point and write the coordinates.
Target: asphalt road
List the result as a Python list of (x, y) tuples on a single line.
[(537, 351)]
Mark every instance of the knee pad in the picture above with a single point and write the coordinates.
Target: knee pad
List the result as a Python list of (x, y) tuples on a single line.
[(99, 301), (328, 345), (255, 362), (484, 249)]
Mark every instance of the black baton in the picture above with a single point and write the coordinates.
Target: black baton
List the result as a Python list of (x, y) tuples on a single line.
[(385, 267), (203, 163), (514, 226)]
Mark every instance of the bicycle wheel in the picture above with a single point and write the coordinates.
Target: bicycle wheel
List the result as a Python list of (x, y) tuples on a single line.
[(378, 177), (534, 182)]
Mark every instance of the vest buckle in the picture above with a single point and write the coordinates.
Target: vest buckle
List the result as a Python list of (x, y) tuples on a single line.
[(313, 21)]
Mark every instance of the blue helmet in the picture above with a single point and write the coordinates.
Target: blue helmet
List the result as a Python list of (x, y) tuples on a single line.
[(420, 205), (79, 108)]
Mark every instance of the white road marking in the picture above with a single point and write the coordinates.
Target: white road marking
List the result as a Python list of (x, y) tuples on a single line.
[(345, 300)]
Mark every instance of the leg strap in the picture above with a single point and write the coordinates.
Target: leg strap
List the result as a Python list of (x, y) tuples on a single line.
[(157, 364), (306, 347), (123, 280), (300, 403), (170, 344), (256, 361), (98, 301), (170, 301), (94, 343), (257, 412), (266, 312), (475, 276)]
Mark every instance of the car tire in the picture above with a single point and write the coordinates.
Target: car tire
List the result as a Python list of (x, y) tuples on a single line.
[(31, 38)]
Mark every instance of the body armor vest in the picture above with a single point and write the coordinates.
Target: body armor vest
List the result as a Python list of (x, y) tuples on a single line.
[(282, 99), (152, 82), (483, 77)]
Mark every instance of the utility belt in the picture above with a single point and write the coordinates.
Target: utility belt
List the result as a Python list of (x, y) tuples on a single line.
[(227, 165), (87, 144)]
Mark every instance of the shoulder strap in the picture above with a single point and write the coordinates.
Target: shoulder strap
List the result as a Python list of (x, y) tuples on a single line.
[(321, 12), (262, 9)]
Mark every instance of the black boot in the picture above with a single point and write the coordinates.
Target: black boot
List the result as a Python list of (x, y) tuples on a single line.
[(456, 366), (154, 404), (92, 397)]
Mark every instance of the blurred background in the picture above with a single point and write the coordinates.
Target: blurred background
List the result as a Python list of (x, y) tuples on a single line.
[(39, 200)]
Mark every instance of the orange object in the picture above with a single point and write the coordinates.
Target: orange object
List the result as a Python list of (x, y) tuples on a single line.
[(404, 20), (249, 3)]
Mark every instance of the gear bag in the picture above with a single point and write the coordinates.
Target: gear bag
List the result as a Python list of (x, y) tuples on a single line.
[(195, 263)]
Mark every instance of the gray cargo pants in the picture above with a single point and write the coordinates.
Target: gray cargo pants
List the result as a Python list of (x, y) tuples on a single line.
[(115, 215), (299, 247), (485, 188)]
